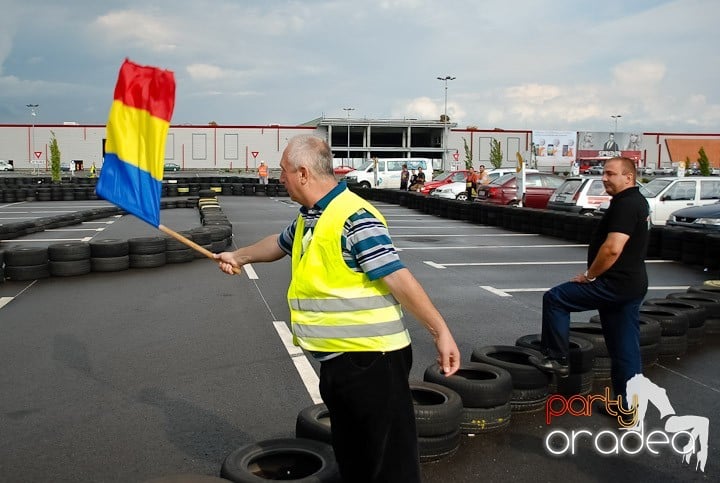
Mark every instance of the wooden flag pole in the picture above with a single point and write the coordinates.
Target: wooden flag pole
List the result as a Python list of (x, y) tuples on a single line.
[(192, 244)]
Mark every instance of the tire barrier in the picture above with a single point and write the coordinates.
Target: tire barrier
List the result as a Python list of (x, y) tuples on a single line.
[(69, 259), (694, 312), (26, 263), (485, 392), (581, 361), (282, 459), (674, 328), (530, 384)]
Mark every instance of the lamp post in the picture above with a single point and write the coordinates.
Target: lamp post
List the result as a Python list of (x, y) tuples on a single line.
[(33, 113), (348, 110), (444, 143), (616, 117)]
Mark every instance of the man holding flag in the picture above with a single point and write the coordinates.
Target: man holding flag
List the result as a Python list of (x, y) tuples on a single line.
[(345, 296)]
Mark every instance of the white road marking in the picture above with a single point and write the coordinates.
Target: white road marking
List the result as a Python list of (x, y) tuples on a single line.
[(499, 235), (75, 229), (20, 240), (5, 300), (98, 222), (250, 272), (435, 265), (457, 247), (505, 292), (305, 370)]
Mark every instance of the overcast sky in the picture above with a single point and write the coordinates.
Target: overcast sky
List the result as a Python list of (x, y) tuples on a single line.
[(519, 64)]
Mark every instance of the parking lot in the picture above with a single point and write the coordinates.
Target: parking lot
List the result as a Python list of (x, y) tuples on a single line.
[(121, 377)]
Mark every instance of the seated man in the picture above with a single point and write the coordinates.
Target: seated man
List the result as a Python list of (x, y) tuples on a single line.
[(419, 180)]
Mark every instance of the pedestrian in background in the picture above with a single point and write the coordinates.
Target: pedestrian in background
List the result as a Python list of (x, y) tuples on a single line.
[(471, 182), (263, 173), (404, 177), (346, 291)]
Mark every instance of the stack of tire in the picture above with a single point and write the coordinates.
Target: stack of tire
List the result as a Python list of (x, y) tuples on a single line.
[(203, 237), (694, 313), (109, 255), (580, 380), (177, 251), (485, 392), (69, 259), (284, 459), (530, 385), (710, 290), (438, 411), (26, 263), (147, 252), (674, 326), (650, 333)]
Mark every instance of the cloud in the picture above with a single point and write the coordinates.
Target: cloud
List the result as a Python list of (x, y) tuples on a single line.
[(136, 28)]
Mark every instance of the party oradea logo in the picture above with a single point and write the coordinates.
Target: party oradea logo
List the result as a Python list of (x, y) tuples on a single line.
[(682, 435)]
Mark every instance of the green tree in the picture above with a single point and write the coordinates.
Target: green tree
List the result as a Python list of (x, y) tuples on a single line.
[(703, 162), (468, 155), (496, 155), (54, 158)]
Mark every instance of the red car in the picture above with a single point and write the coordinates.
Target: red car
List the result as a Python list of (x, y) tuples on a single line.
[(342, 170), (444, 178), (538, 189)]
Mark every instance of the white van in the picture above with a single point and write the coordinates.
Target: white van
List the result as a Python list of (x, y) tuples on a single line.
[(665, 195), (388, 173)]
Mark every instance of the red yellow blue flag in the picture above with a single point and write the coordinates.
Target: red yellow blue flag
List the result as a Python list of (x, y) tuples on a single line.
[(132, 171)]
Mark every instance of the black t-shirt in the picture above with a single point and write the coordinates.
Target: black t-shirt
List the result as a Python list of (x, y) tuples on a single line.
[(628, 213)]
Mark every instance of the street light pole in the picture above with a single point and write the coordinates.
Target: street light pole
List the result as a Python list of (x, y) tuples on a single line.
[(33, 113), (616, 117), (348, 110), (444, 140)]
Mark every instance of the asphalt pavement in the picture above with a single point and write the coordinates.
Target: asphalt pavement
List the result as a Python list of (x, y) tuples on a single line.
[(122, 377)]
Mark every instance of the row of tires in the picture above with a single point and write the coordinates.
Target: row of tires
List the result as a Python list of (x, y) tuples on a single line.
[(482, 396), (112, 255), (695, 247)]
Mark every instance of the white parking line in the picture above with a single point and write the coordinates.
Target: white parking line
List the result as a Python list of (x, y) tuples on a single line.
[(305, 370), (434, 265), (504, 264), (21, 240), (75, 229), (499, 235), (250, 272), (505, 292), (5, 300), (458, 247)]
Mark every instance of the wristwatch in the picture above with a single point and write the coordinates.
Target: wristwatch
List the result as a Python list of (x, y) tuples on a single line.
[(587, 277)]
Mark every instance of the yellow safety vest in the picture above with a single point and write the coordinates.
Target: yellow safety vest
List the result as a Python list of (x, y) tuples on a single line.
[(333, 308)]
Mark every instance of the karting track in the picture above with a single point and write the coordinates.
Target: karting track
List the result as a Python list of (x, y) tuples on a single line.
[(122, 377)]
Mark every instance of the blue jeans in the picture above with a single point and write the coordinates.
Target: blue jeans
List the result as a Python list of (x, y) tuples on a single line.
[(619, 316)]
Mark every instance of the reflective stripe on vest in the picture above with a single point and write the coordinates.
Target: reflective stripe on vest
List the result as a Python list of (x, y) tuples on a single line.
[(343, 305), (349, 331)]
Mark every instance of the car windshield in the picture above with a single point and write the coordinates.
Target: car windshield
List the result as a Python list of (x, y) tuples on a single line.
[(569, 187), (654, 187), (503, 179), (365, 165)]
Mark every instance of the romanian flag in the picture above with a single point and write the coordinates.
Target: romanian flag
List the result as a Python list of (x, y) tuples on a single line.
[(137, 128)]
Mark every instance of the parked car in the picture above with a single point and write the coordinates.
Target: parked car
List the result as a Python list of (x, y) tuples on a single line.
[(646, 170), (171, 167), (669, 194), (65, 167), (503, 191), (5, 166), (705, 217), (443, 179), (342, 170), (451, 191), (388, 172), (579, 194), (598, 169)]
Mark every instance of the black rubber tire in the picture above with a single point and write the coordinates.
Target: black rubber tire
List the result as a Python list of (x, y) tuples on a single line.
[(435, 448), (27, 272), (696, 336), (110, 264), (148, 245), (673, 345), (529, 400), (438, 409), (581, 351), (713, 290), (187, 478), (69, 268), (695, 313), (149, 260), (485, 420), (672, 322), (581, 384), (17, 256), (300, 460), (313, 422), (69, 251), (180, 256), (515, 360), (479, 385), (650, 329), (592, 333), (109, 247), (710, 301)]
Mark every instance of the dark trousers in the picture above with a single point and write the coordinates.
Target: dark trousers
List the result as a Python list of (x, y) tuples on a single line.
[(619, 316), (372, 416)]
